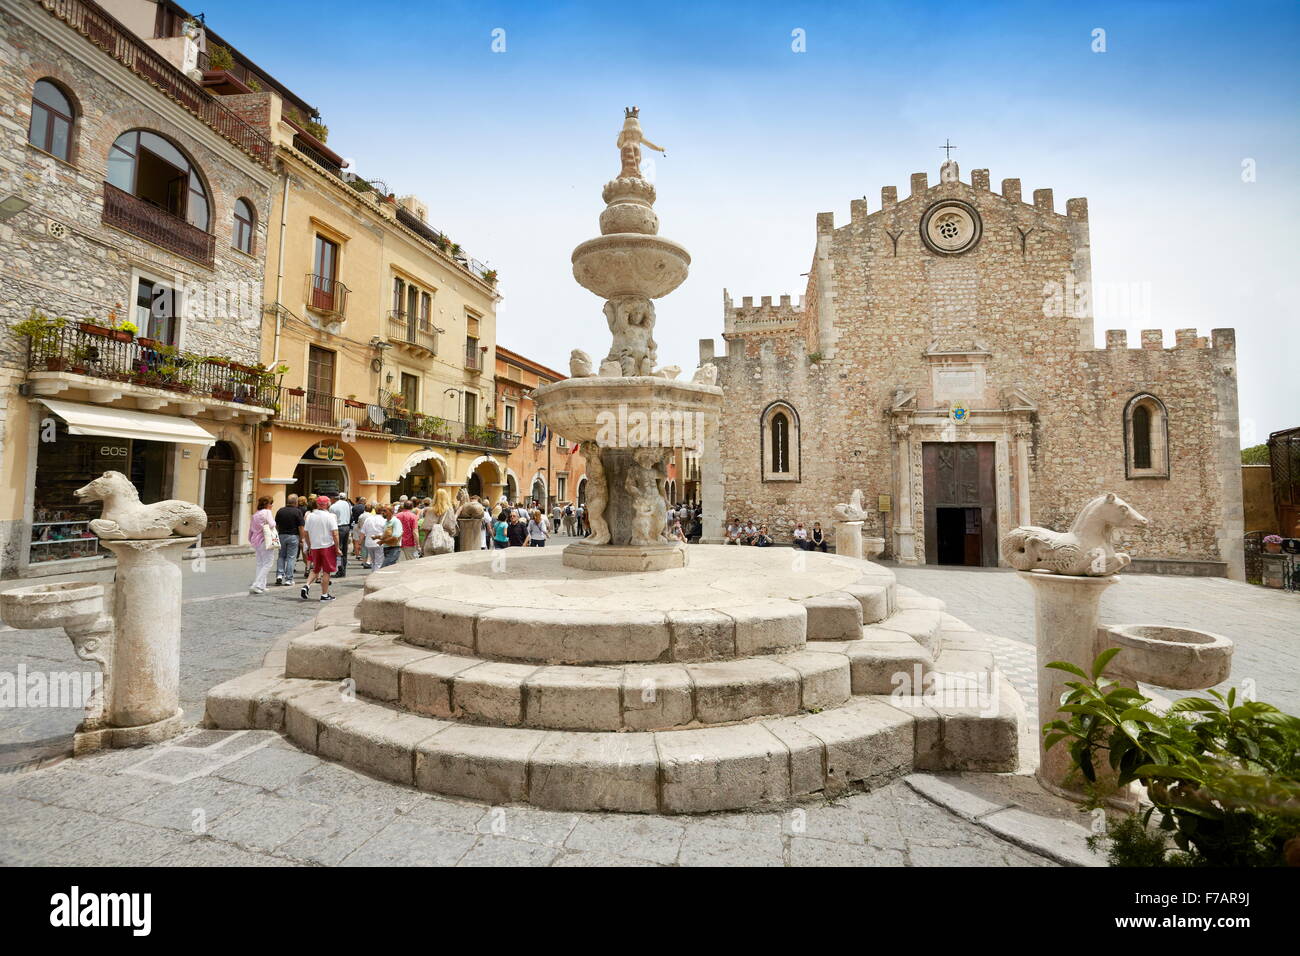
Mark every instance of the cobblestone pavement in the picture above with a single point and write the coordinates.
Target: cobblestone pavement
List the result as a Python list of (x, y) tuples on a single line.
[(216, 797)]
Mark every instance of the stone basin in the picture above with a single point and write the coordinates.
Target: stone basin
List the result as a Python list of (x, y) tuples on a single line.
[(629, 411), (1178, 658), (72, 604), (630, 263)]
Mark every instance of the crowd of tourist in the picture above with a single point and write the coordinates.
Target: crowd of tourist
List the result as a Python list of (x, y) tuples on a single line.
[(323, 531)]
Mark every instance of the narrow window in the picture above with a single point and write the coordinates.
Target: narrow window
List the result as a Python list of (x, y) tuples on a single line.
[(1141, 437), (51, 127), (780, 443), (245, 222)]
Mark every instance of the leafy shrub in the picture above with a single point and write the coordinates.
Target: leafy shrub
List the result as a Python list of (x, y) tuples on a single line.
[(1223, 774)]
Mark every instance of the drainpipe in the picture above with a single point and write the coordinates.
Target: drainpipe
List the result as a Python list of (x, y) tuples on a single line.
[(279, 278)]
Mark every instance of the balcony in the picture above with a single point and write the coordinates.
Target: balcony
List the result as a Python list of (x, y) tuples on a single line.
[(387, 416), (100, 353), (96, 25), (327, 296), (309, 148), (152, 224), (414, 332), (473, 358)]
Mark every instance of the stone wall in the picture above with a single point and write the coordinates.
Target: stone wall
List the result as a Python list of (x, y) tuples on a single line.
[(1005, 329)]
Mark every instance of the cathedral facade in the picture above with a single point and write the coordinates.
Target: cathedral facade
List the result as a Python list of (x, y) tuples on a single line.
[(942, 360)]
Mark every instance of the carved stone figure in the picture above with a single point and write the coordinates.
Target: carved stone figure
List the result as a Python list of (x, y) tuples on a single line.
[(611, 369), (630, 141), (631, 321), (597, 498), (853, 510), (579, 364), (706, 374), (669, 372), (1086, 549), (125, 518), (645, 484)]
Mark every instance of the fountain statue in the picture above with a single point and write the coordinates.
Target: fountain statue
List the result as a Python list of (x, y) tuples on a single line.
[(631, 414)]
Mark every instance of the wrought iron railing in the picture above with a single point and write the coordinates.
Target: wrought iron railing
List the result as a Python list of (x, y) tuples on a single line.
[(413, 222), (413, 330), (101, 29), (158, 226), (98, 352), (388, 416), (327, 294), (316, 156)]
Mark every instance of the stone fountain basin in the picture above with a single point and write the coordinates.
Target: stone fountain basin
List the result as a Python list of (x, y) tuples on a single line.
[(1178, 658), (627, 411), (72, 604), (630, 263)]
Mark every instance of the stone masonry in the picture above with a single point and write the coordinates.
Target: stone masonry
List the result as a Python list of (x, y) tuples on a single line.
[(894, 332)]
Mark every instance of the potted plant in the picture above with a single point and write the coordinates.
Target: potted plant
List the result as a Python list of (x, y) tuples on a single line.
[(1273, 543), (81, 357), (297, 391), (490, 276), (41, 329), (124, 331), (351, 401)]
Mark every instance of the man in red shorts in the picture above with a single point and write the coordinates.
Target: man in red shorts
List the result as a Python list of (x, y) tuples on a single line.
[(320, 533)]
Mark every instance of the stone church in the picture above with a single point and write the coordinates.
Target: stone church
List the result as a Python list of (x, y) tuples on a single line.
[(942, 360)]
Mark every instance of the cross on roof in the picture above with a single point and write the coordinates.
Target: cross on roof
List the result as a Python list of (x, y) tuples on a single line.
[(947, 148)]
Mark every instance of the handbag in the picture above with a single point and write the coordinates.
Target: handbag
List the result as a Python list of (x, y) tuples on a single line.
[(271, 537)]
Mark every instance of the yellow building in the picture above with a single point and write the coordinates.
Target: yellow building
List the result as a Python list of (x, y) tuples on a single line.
[(545, 468)]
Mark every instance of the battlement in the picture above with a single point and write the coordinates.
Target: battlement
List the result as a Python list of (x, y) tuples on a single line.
[(919, 183), (1221, 340), (764, 317)]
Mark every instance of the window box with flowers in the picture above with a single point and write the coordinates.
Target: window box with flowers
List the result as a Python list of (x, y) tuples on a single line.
[(1273, 543)]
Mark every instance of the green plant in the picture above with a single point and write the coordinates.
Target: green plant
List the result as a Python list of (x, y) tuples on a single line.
[(490, 276), (40, 328), (253, 85), (814, 357), (220, 57), (1223, 774), (126, 325), (317, 129), (1255, 455)]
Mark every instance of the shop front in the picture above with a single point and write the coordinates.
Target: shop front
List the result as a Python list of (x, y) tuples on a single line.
[(75, 443)]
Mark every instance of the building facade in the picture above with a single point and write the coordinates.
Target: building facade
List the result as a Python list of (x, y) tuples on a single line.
[(135, 216), (942, 361), (545, 467)]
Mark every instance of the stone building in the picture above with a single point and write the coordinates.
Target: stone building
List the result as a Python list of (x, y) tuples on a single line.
[(942, 360), (382, 326), (545, 466), (130, 195)]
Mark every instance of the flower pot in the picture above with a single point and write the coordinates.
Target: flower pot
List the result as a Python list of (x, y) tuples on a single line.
[(90, 328), (56, 363), (77, 369), (1272, 547), (146, 342), (297, 391), (121, 335)]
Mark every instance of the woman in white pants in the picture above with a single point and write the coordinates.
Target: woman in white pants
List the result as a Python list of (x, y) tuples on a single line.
[(265, 541)]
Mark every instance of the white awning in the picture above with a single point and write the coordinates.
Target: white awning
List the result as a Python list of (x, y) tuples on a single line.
[(127, 423)]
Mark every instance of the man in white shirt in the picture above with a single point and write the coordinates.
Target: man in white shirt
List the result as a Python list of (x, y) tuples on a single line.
[(372, 529), (342, 512), (320, 532)]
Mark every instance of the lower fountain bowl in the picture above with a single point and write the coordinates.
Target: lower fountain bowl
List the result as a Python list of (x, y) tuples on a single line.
[(71, 604), (1178, 658), (625, 557)]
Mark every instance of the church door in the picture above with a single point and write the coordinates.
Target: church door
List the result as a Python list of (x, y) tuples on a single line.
[(960, 503), (219, 494)]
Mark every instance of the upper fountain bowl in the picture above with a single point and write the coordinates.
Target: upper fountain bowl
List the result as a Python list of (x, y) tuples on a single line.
[(628, 263)]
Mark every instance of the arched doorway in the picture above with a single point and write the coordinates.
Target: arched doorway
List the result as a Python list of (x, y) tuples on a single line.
[(421, 481), (219, 494), (321, 471), (512, 489), (538, 492), (474, 486), (582, 490)]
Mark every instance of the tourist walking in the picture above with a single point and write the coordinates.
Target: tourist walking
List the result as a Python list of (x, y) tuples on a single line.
[(321, 534), (391, 539), (358, 541), (341, 509), (265, 541), (516, 531), (370, 531), (501, 531), (288, 525), (408, 520), (537, 533)]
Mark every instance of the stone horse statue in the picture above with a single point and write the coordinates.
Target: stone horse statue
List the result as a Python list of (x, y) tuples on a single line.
[(125, 518), (1086, 549)]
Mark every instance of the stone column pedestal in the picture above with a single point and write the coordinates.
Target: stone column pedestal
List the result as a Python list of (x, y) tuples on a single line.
[(848, 539), (1065, 629), (470, 536), (142, 704)]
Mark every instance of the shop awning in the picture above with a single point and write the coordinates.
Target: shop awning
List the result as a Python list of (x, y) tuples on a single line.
[(127, 423)]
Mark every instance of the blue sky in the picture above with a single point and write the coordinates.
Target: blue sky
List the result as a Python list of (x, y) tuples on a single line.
[(510, 149)]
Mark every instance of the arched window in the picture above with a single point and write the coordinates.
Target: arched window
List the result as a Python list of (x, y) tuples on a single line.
[(244, 226), (151, 168), (51, 127), (1146, 438), (780, 443), (779, 440)]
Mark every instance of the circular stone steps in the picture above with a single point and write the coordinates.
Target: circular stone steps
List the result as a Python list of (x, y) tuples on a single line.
[(746, 679)]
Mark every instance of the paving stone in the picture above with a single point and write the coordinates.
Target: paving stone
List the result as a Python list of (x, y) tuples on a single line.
[(440, 812), (403, 843), (178, 807), (644, 837), (502, 851), (706, 845), (269, 768), (807, 851), (586, 858), (203, 852), (266, 824), (119, 843), (529, 824)]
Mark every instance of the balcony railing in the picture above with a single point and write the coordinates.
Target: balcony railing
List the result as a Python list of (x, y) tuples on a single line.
[(412, 330), (84, 349), (162, 228), (326, 294), (386, 416), (315, 155), (473, 358), (101, 29)]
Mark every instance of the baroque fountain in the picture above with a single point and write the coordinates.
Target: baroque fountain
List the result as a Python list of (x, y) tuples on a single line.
[(617, 674)]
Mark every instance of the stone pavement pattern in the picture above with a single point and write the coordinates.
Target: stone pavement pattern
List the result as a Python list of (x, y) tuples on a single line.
[(251, 798)]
